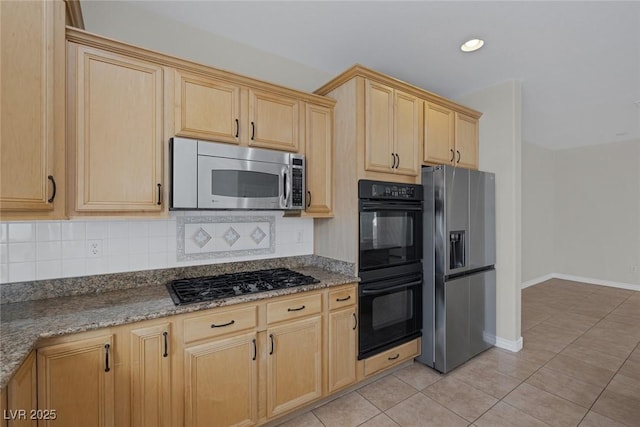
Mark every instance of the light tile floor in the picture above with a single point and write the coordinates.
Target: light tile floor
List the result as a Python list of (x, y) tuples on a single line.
[(580, 366)]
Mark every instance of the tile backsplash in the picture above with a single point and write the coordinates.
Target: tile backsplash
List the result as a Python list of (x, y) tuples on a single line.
[(42, 250)]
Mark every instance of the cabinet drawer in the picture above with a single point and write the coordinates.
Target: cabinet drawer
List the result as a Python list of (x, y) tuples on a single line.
[(292, 308), (342, 298), (391, 357), (219, 323)]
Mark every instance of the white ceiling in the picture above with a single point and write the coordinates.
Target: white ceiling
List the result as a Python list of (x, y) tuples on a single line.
[(579, 62)]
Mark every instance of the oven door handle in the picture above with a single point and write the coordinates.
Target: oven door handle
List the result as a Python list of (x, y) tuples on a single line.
[(383, 290), (370, 206)]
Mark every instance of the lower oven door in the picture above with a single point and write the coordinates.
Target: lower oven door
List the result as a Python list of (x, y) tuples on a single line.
[(390, 314)]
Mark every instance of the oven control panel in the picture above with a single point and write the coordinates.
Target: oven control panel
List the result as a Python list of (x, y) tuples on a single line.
[(389, 190)]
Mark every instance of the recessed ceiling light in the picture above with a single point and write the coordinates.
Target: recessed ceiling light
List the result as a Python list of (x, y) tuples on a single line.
[(472, 45)]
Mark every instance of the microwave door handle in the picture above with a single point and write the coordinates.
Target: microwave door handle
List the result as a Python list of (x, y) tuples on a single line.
[(284, 196)]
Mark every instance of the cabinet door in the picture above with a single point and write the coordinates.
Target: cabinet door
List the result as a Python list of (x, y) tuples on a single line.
[(150, 376), (378, 127), (294, 365), (207, 108), (438, 134), (119, 143), (76, 379), (466, 141), (31, 88), (406, 130), (274, 121), (22, 392), (221, 383), (342, 348), (319, 159)]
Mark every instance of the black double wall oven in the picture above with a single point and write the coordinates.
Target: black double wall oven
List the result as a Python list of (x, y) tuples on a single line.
[(390, 265)]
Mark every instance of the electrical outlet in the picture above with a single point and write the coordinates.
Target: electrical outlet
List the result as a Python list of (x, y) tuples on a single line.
[(300, 236), (634, 268), (94, 248)]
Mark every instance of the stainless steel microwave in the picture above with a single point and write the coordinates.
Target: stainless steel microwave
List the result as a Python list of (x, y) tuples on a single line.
[(210, 175)]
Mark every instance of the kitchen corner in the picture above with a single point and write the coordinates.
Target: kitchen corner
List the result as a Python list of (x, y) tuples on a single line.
[(44, 309)]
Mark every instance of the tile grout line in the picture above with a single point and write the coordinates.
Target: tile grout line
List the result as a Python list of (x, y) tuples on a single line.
[(548, 361), (605, 387)]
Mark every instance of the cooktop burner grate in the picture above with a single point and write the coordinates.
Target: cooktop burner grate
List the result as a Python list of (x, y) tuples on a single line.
[(197, 289)]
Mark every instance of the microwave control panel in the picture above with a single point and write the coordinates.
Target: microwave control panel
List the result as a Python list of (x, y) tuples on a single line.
[(297, 188)]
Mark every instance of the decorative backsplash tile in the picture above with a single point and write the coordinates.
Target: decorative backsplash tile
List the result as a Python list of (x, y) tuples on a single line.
[(43, 250), (210, 237)]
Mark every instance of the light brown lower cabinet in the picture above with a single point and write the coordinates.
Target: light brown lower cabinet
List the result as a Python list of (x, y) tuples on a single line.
[(294, 365), (243, 365), (76, 379), (342, 339), (221, 382), (22, 399), (150, 375)]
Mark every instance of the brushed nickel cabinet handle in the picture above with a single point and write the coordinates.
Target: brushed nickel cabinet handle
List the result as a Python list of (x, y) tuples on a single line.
[(213, 325)]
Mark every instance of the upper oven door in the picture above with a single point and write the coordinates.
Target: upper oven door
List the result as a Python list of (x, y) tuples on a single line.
[(225, 183), (390, 234)]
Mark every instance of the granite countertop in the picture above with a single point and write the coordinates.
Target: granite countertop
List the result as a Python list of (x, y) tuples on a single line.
[(22, 324)]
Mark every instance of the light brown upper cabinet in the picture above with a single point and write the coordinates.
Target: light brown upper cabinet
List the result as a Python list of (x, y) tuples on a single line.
[(116, 131), (220, 110), (32, 99), (450, 137), (438, 134), (319, 158), (392, 130), (466, 141), (274, 121), (207, 108)]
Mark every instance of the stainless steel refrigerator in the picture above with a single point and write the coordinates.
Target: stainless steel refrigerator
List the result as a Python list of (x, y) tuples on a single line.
[(459, 298)]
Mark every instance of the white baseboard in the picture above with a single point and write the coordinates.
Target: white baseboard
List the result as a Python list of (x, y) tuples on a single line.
[(629, 286), (514, 346), (536, 280)]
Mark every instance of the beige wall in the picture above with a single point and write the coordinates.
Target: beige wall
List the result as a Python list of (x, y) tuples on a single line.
[(126, 22), (500, 152), (538, 212), (597, 205)]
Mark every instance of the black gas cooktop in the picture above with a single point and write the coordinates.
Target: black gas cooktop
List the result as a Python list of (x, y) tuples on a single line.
[(197, 289)]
